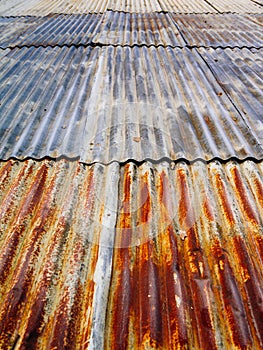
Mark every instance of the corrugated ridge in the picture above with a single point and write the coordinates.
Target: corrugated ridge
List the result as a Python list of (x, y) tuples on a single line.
[(130, 256), (130, 116)]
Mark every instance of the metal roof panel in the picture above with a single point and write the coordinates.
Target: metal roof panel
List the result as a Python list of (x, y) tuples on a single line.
[(221, 30), (120, 28), (101, 110), (46, 7), (51, 30)]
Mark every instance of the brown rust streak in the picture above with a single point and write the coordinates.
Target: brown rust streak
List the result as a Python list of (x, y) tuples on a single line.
[(241, 193), (146, 278), (30, 202), (252, 283), (173, 296), (234, 311), (196, 272), (121, 298), (226, 207)]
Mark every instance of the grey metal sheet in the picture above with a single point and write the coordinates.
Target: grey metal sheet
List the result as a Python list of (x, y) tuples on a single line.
[(138, 6), (118, 103), (54, 30), (240, 74), (119, 28), (221, 30), (240, 6), (45, 7), (187, 6), (117, 257)]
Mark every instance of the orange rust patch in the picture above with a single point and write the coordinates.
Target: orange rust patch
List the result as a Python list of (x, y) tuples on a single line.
[(226, 207)]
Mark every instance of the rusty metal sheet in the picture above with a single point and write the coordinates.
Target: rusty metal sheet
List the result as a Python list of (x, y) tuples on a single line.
[(46, 7), (119, 103), (240, 6), (221, 30), (187, 6), (240, 74), (164, 256), (52, 30), (138, 6), (119, 28)]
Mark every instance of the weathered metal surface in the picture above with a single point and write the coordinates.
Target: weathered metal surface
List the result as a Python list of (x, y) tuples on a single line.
[(12, 28), (138, 6), (187, 6), (240, 73), (165, 256), (51, 30), (119, 103), (46, 7), (240, 6), (119, 28), (221, 30)]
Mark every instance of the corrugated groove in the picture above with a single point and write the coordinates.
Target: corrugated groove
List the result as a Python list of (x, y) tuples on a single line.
[(53, 30), (182, 244), (46, 7), (102, 110), (221, 30)]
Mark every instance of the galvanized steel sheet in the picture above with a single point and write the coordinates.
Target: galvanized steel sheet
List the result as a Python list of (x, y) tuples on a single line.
[(240, 74), (221, 30), (119, 103), (46, 7), (51, 30), (119, 28), (165, 256)]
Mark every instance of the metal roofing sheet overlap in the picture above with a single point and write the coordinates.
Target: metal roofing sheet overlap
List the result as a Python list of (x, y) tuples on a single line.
[(162, 256), (221, 30), (116, 103)]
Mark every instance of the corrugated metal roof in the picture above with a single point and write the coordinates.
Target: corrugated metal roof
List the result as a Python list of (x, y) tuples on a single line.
[(187, 6), (116, 103), (240, 6), (153, 256), (120, 28), (221, 30), (237, 71), (50, 31), (45, 7)]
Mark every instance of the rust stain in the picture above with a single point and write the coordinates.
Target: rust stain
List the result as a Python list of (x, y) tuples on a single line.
[(234, 310), (241, 192), (226, 207), (250, 280)]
